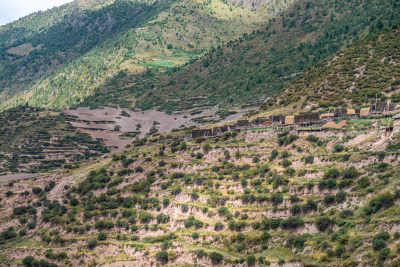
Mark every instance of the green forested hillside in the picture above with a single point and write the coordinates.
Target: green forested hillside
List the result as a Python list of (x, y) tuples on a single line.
[(355, 76), (260, 64), (60, 62)]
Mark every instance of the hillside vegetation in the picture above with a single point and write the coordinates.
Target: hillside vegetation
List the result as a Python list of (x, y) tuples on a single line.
[(259, 65), (356, 76), (60, 62), (37, 140), (257, 197)]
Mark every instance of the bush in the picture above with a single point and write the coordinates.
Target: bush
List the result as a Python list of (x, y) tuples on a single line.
[(74, 202), (218, 226), (292, 223), (383, 201), (299, 241), (323, 223), (101, 236), (162, 256), (338, 148), (36, 190), (28, 261), (162, 218), (276, 199), (329, 199), (332, 174), (9, 233), (92, 244), (378, 244), (286, 163), (103, 224), (309, 159), (384, 254), (341, 197), (251, 260), (216, 258), (199, 155), (350, 173), (312, 138)]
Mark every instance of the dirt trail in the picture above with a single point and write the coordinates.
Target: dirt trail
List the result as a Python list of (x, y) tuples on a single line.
[(16, 177)]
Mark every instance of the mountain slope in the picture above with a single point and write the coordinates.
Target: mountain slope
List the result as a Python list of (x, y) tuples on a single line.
[(239, 199), (37, 140), (260, 64), (355, 76), (65, 63)]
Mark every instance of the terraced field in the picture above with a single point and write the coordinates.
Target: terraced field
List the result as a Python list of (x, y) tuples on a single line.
[(38, 140), (253, 198)]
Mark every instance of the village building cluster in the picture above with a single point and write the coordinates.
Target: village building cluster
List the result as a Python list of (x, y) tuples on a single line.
[(303, 120)]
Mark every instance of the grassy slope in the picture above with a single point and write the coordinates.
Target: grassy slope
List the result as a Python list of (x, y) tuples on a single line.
[(161, 35), (354, 76), (247, 192), (262, 63)]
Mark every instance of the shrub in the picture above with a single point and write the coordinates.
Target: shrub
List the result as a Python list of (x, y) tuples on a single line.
[(276, 199), (384, 254), (103, 224), (265, 236), (309, 159), (286, 163), (346, 214), (74, 202), (9, 233), (218, 226), (340, 250), (195, 235), (323, 223), (216, 258), (162, 218), (92, 244), (299, 241), (329, 199), (292, 223), (378, 244), (274, 154), (350, 173), (101, 236), (311, 205), (341, 197), (28, 261), (383, 201), (332, 174), (256, 159), (338, 148), (251, 260), (312, 138), (199, 155), (36, 190), (162, 256)]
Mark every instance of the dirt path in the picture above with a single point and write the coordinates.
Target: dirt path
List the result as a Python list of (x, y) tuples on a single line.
[(15, 177)]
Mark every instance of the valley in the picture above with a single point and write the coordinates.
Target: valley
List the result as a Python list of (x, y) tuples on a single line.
[(201, 133)]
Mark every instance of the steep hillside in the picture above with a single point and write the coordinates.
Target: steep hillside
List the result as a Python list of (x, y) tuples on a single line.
[(258, 65), (36, 140), (355, 76), (60, 62), (253, 198)]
